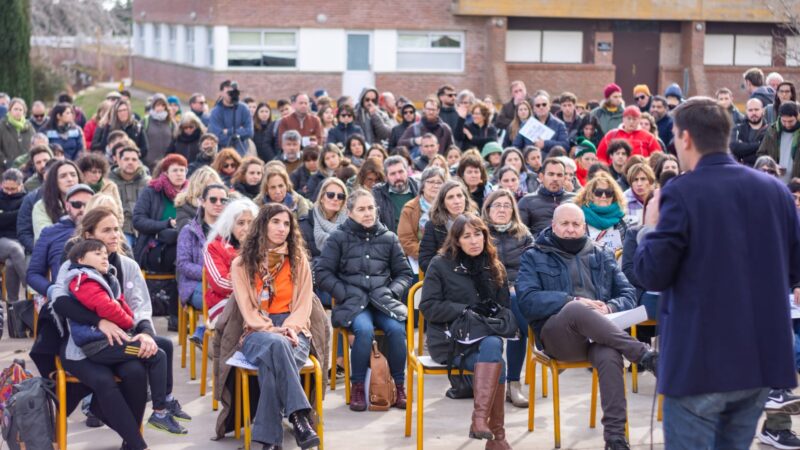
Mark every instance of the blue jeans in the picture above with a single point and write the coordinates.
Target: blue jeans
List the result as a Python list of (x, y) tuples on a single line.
[(515, 352), (196, 300), (131, 240), (724, 420), (363, 328), (490, 350)]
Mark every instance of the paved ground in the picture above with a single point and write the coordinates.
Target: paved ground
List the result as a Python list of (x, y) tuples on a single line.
[(446, 420)]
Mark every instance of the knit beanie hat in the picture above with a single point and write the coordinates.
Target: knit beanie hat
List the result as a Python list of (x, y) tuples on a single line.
[(584, 146), (610, 89), (641, 89), (632, 111)]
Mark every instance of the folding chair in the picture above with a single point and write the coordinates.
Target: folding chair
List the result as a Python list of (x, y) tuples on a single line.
[(345, 334), (635, 370), (209, 333)]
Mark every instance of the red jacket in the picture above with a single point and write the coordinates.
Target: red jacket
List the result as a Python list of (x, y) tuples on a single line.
[(642, 142), (93, 296), (218, 257)]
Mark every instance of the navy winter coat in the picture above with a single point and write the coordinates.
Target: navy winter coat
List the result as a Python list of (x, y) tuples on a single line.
[(47, 255), (25, 219), (341, 133), (236, 120)]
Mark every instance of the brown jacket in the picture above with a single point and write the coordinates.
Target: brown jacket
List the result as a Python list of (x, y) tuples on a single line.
[(408, 228), (309, 126), (228, 333)]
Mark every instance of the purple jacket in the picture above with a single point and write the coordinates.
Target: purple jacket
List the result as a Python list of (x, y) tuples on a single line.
[(189, 261)]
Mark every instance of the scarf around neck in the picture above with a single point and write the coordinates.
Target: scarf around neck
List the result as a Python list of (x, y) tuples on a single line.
[(17, 124), (424, 207), (324, 227), (164, 186), (602, 217)]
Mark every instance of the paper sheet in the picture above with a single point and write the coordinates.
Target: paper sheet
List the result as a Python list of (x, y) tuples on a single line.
[(535, 130), (626, 319), (793, 309)]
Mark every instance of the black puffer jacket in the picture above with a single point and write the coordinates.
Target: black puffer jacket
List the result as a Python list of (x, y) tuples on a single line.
[(510, 250), (432, 240), (147, 220), (187, 145), (361, 266), (9, 208), (448, 289), (536, 210)]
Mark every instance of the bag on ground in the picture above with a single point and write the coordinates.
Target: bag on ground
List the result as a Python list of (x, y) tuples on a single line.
[(382, 391), (29, 417)]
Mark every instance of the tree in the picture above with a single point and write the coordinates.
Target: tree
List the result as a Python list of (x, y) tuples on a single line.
[(15, 46), (787, 13)]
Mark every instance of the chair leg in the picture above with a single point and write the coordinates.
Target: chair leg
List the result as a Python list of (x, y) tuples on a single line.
[(593, 404), (634, 368), (204, 364), (627, 421), (307, 385), (528, 357), (420, 406), (237, 409), (214, 402), (334, 354), (531, 371), (660, 413), (346, 362), (544, 381), (410, 396), (318, 402), (61, 424), (182, 338), (556, 408), (248, 436), (192, 346)]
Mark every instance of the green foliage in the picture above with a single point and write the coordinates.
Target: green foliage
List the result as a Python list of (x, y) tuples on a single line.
[(47, 80), (15, 46)]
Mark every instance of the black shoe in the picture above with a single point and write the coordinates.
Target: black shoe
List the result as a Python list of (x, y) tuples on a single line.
[(783, 439), (649, 362), (92, 421), (271, 447), (617, 443), (174, 408), (781, 400), (304, 433), (339, 372), (172, 323)]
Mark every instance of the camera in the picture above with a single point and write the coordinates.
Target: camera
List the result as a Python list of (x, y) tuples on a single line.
[(234, 92)]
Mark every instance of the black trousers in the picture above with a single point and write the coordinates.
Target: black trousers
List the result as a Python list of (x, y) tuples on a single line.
[(156, 366)]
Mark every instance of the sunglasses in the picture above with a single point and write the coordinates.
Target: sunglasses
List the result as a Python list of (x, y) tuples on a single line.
[(345, 115), (369, 100), (607, 193), (640, 97), (220, 200), (334, 195), (77, 204), (230, 166), (407, 112), (540, 105), (38, 116), (450, 94)]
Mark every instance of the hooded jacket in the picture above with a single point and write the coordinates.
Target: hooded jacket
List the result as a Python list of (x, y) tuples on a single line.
[(764, 93), (129, 191), (100, 294), (378, 125), (606, 119), (771, 146), (189, 259), (9, 211), (363, 266), (342, 132), (545, 283), (399, 129)]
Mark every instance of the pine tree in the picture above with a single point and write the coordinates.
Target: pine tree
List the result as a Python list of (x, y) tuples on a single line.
[(15, 49)]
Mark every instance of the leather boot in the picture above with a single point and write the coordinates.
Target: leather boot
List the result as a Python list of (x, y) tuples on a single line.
[(515, 395), (497, 418), (400, 403), (358, 399), (484, 387), (304, 433)]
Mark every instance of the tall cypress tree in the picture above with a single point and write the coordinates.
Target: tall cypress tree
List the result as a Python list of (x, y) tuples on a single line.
[(15, 48)]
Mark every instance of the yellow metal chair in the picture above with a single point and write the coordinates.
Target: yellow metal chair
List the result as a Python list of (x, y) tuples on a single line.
[(242, 397), (556, 366), (418, 364), (209, 333), (345, 334), (635, 370)]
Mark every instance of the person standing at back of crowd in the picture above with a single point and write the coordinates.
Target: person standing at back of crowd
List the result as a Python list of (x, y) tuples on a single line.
[(230, 119), (746, 137), (15, 133), (712, 399), (609, 113), (303, 121), (120, 118), (377, 125)]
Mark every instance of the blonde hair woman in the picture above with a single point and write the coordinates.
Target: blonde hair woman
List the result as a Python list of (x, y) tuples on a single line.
[(603, 204), (276, 187), (188, 201)]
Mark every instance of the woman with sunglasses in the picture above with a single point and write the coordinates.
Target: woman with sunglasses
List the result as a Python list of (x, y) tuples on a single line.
[(377, 125), (191, 240), (330, 158), (188, 200), (186, 140), (409, 117), (226, 163), (49, 209), (603, 204), (346, 127)]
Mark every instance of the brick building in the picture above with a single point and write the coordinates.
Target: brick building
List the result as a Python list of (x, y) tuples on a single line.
[(276, 48)]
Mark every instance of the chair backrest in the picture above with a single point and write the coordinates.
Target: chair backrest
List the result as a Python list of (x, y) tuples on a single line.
[(538, 354), (414, 295)]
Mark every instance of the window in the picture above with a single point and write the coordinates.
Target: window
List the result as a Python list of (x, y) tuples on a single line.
[(434, 52), (157, 40), (737, 50), (173, 40), (210, 46), (793, 51), (256, 48), (138, 39), (534, 46), (190, 45)]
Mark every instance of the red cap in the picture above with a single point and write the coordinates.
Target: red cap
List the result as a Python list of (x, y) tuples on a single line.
[(632, 111)]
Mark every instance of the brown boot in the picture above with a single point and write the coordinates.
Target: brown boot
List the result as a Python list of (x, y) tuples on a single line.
[(497, 417), (401, 397), (484, 387)]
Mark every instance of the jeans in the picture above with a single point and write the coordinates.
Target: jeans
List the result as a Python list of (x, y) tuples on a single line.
[(490, 350), (515, 351), (724, 420), (13, 255), (363, 328), (131, 240)]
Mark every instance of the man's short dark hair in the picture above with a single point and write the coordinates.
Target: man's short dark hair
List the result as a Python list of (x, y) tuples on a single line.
[(444, 88), (248, 100), (557, 150), (125, 93), (568, 97), (755, 76), (708, 124), (82, 247), (283, 102), (128, 148), (597, 167), (294, 97), (116, 134), (36, 150), (64, 98), (224, 84), (794, 186), (194, 97), (617, 144), (551, 161), (430, 136), (661, 99)]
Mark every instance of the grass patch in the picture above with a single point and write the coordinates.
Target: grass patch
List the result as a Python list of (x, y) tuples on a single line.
[(89, 100)]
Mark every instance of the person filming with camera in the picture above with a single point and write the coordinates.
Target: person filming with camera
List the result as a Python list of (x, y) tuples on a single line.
[(230, 119)]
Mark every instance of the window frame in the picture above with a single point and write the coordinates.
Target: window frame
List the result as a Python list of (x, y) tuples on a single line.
[(263, 48), (157, 41), (188, 55), (433, 50), (734, 62), (541, 52), (172, 42)]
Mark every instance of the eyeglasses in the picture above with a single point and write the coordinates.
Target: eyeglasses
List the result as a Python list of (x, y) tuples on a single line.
[(38, 116), (449, 94), (334, 195), (77, 204), (345, 115), (540, 105), (607, 193), (407, 112), (230, 166), (434, 182), (640, 97), (501, 206), (220, 200)]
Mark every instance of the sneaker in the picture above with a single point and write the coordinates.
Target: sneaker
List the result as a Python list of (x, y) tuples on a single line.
[(617, 443), (783, 439), (781, 400), (92, 421), (649, 362), (174, 408), (197, 337), (165, 423), (339, 372)]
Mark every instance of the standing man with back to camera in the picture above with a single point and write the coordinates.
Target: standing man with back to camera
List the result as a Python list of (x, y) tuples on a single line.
[(722, 244)]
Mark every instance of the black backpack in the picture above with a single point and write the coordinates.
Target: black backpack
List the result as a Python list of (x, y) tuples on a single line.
[(20, 319), (29, 418)]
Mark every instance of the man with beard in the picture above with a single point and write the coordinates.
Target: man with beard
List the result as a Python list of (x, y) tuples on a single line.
[(781, 142), (38, 115), (130, 178), (747, 136), (519, 94), (609, 113), (399, 189), (40, 155), (536, 209), (430, 123), (659, 109), (447, 110)]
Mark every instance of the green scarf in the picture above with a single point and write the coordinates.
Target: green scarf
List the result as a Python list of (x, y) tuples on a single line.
[(602, 217), (96, 187), (17, 124)]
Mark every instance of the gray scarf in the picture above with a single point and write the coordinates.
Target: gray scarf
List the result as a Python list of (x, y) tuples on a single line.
[(324, 227)]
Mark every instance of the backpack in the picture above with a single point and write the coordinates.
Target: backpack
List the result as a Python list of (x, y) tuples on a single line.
[(11, 375), (29, 418), (382, 391), (20, 318)]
